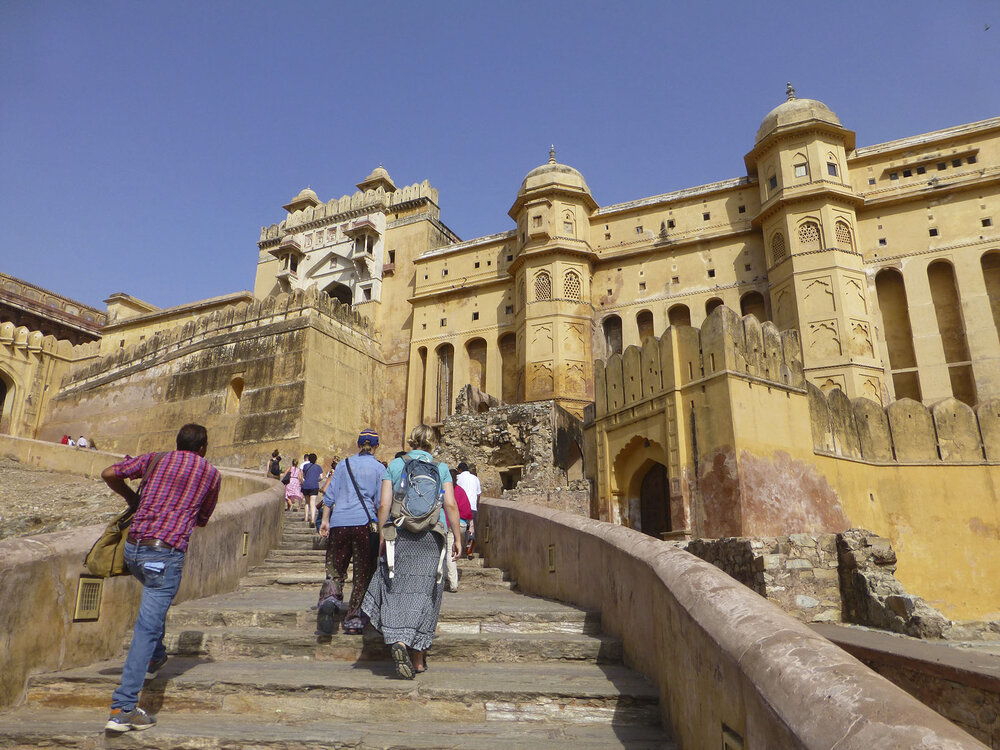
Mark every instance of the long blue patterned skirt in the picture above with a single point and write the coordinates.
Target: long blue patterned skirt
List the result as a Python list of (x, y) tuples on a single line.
[(406, 608)]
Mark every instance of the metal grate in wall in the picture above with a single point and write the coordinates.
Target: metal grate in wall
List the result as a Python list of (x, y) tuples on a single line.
[(88, 599)]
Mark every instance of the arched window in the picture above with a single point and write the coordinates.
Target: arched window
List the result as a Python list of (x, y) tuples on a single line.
[(508, 368), (679, 315), (445, 380), (845, 239), (568, 224), (613, 334), (422, 382), (340, 292), (234, 395), (711, 305), (521, 300), (6, 402), (800, 166), (752, 303), (809, 236), (891, 295), (476, 349), (543, 286), (832, 165), (777, 248), (951, 326), (572, 288), (644, 322)]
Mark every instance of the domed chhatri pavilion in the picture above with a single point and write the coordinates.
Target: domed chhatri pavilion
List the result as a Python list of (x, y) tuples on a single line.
[(884, 258)]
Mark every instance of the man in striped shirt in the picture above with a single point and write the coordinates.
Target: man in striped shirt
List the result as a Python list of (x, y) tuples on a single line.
[(179, 491)]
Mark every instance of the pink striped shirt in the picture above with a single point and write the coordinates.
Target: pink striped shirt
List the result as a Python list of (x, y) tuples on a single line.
[(180, 494)]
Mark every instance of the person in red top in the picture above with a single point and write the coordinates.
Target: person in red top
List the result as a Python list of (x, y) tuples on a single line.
[(465, 516), (180, 491)]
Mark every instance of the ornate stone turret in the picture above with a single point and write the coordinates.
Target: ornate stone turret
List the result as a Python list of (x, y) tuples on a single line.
[(379, 178), (552, 273), (809, 226)]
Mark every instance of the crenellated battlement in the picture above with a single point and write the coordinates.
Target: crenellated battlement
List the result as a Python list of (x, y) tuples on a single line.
[(906, 431), (725, 344), (23, 338), (240, 317), (339, 209)]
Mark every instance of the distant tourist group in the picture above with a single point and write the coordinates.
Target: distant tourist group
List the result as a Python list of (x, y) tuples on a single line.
[(80, 442), (403, 526)]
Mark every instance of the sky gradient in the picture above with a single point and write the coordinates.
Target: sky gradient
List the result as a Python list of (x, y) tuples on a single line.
[(143, 145)]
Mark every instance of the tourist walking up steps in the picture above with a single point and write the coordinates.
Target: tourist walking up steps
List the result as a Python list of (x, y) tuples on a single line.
[(180, 491), (293, 487), (403, 600), (465, 514), (312, 473), (350, 507), (473, 490)]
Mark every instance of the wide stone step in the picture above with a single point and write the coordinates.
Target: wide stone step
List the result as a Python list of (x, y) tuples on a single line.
[(275, 643), (282, 575), (301, 689), (81, 729), (468, 611)]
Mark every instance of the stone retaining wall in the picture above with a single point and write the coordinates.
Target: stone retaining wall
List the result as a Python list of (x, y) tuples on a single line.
[(723, 657), (39, 575)]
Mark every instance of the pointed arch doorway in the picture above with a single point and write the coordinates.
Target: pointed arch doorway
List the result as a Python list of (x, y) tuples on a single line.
[(654, 501)]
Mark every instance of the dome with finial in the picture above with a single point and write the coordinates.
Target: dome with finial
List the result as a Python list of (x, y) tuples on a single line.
[(793, 111), (379, 177), (306, 197), (552, 172)]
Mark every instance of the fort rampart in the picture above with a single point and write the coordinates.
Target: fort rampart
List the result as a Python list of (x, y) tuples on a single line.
[(241, 373), (39, 575), (752, 450)]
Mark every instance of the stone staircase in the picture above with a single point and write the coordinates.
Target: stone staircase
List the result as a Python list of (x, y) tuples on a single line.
[(248, 669)]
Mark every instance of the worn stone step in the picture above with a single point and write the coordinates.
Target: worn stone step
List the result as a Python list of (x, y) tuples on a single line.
[(305, 554), (277, 643), (80, 729), (301, 689), (288, 576), (468, 611)]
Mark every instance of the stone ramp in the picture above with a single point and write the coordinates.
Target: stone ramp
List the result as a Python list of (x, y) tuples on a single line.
[(249, 669)]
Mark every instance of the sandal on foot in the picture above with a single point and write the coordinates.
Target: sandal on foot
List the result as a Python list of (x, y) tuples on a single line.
[(401, 656)]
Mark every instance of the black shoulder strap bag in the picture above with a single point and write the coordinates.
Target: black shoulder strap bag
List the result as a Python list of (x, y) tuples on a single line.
[(373, 538)]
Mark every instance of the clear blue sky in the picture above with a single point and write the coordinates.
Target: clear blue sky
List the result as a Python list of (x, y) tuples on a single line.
[(143, 144)]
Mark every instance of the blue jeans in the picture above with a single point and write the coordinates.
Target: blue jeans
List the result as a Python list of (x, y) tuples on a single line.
[(159, 572)]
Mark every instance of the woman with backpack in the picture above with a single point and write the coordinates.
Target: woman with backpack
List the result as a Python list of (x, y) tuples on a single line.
[(274, 465), (403, 600)]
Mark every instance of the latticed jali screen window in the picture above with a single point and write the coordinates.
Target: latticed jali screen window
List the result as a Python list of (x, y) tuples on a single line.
[(543, 286), (571, 285), (844, 238), (777, 247), (809, 236)]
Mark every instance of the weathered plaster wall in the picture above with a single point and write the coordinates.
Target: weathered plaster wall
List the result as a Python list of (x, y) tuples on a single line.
[(530, 443), (744, 663), (39, 575), (751, 451)]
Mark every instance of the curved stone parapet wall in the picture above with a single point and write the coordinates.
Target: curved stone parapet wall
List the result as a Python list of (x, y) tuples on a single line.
[(722, 657), (39, 575)]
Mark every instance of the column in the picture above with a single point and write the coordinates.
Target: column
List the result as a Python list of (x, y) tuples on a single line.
[(935, 383), (980, 328)]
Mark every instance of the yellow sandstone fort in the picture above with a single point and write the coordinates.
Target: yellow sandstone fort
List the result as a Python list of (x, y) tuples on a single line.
[(809, 346)]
